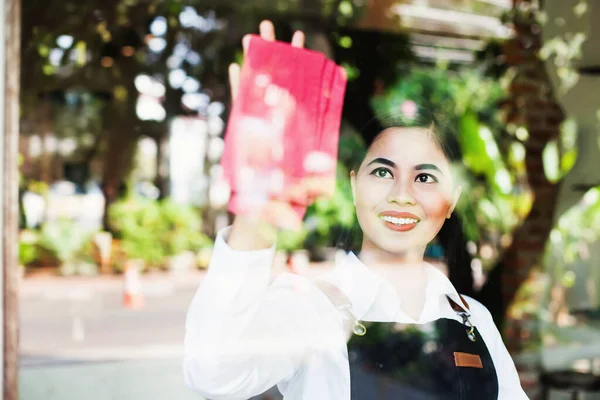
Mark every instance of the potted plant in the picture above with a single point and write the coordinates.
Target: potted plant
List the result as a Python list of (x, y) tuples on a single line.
[(67, 240), (138, 225), (28, 251), (183, 235)]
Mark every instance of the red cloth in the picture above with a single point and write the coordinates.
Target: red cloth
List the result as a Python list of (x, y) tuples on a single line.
[(284, 125)]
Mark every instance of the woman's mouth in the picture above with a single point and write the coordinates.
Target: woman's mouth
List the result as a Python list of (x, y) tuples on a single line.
[(400, 224)]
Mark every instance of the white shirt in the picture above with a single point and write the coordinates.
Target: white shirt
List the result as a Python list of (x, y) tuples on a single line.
[(245, 334)]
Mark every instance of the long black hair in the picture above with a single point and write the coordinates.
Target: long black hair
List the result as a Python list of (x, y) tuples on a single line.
[(451, 236)]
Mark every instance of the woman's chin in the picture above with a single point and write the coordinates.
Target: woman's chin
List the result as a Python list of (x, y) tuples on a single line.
[(408, 249)]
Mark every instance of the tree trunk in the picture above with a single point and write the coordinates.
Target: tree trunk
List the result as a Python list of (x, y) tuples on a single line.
[(532, 105), (10, 178), (117, 163), (123, 132)]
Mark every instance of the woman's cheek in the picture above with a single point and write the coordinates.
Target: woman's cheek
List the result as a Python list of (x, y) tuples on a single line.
[(435, 205)]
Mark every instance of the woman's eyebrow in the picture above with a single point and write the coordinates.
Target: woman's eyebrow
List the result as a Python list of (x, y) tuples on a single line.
[(383, 161), (422, 167)]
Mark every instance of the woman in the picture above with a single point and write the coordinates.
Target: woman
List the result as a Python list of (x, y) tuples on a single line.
[(245, 334)]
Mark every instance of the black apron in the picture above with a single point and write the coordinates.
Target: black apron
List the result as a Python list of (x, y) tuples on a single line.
[(437, 360)]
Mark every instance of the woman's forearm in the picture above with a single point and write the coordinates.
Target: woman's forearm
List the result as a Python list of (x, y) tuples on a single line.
[(249, 233)]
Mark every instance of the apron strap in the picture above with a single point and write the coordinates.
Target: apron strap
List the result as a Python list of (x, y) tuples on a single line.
[(455, 306), (464, 315)]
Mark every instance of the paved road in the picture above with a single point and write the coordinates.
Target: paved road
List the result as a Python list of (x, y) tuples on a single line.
[(77, 341)]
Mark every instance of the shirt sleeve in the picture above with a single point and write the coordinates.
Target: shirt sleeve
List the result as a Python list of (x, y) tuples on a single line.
[(509, 383), (243, 336)]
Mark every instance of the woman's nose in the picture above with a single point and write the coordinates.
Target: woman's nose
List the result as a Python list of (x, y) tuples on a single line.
[(401, 193)]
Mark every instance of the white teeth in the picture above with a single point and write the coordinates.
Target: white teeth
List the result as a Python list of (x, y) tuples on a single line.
[(400, 221)]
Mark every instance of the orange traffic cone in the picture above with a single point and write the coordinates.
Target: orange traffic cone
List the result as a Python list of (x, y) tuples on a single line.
[(133, 297)]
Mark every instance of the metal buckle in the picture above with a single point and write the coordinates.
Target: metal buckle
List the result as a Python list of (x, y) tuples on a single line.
[(357, 328), (466, 321)]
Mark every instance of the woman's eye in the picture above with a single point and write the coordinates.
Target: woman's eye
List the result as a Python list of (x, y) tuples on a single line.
[(382, 173), (426, 178)]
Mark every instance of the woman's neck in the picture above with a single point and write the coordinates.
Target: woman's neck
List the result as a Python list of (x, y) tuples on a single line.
[(404, 271), (372, 255)]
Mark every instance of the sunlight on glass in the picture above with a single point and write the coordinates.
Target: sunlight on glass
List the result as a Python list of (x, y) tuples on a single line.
[(159, 26), (193, 58), (517, 152), (148, 108), (158, 89), (502, 178), (195, 101), (492, 149), (580, 8), (188, 17), (555, 236), (591, 197), (471, 247), (215, 126), (216, 145), (486, 251), (147, 146), (56, 56), (35, 146), (215, 109), (346, 8), (219, 194), (522, 134), (143, 83), (190, 85), (81, 52), (488, 208), (64, 41), (176, 78), (50, 143), (216, 172), (67, 146), (157, 45), (181, 50), (149, 86), (550, 158), (174, 62)]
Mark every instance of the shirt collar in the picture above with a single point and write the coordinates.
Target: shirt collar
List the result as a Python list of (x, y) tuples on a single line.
[(375, 299)]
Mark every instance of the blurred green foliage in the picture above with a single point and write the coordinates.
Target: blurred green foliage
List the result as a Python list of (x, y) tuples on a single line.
[(66, 240), (154, 230), (28, 247), (64, 237)]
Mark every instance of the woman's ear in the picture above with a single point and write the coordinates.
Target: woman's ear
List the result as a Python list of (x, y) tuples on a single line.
[(353, 184), (455, 198)]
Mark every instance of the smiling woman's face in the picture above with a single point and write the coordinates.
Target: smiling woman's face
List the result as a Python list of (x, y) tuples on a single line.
[(403, 192)]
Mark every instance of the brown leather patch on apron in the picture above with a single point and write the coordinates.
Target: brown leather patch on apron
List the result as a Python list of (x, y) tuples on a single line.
[(467, 360)]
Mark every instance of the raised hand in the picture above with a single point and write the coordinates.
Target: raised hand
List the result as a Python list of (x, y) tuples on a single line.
[(278, 212)]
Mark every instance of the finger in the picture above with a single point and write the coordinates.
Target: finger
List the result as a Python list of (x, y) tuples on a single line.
[(298, 39), (246, 43), (267, 30), (234, 79)]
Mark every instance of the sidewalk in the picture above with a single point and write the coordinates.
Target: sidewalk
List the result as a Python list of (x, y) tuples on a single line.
[(154, 283), (53, 287)]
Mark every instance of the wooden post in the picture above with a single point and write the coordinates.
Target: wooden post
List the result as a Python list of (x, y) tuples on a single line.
[(10, 68)]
